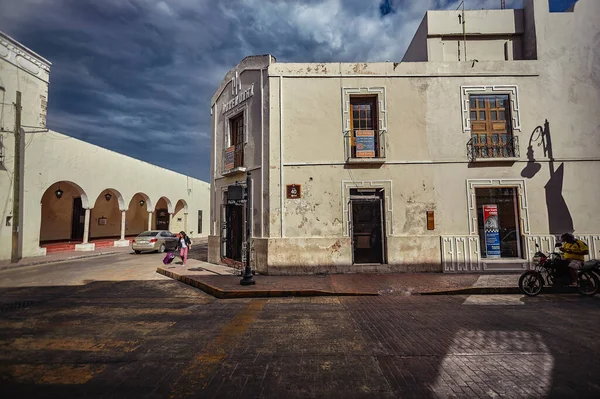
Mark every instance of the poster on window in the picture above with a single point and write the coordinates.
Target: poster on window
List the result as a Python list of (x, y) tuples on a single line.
[(491, 228), (365, 143), (229, 158)]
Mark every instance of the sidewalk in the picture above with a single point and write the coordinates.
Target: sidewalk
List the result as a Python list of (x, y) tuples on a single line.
[(221, 282), (62, 257)]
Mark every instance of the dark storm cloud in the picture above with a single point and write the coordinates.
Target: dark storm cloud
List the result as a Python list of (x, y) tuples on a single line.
[(386, 7), (137, 76)]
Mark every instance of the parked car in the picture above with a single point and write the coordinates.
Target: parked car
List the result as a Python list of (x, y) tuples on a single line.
[(154, 240)]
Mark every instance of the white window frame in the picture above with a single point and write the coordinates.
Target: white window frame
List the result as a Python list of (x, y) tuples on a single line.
[(513, 98)]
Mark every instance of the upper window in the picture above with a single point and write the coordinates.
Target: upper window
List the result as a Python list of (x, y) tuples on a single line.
[(234, 153), (491, 132), (364, 134)]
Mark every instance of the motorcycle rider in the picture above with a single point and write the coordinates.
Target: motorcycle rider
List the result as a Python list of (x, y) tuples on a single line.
[(574, 251)]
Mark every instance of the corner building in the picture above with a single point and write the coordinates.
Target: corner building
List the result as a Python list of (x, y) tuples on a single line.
[(460, 158)]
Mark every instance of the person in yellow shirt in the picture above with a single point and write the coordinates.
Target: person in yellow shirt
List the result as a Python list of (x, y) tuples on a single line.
[(574, 252)]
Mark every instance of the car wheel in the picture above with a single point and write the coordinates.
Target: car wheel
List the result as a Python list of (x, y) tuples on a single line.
[(138, 252), (162, 248)]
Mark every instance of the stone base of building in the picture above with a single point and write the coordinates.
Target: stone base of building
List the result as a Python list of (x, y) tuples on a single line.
[(333, 255), (122, 243), (85, 247)]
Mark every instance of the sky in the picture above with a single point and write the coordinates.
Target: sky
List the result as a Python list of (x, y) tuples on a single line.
[(137, 76)]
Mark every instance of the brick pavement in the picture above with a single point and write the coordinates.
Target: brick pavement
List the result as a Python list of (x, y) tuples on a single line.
[(157, 339)]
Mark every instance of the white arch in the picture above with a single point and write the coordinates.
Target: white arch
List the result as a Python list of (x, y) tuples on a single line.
[(170, 208), (185, 205), (122, 206), (84, 198), (149, 205)]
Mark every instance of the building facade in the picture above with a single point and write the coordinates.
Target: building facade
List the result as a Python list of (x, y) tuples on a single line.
[(71, 191), (460, 158)]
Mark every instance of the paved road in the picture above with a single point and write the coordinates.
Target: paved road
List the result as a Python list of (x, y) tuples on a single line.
[(151, 337)]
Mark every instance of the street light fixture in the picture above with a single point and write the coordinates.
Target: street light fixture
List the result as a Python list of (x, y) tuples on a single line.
[(142, 202), (247, 276), (108, 196), (58, 192)]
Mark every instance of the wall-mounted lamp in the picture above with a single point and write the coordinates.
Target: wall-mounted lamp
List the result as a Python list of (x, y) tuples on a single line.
[(58, 192), (142, 202), (108, 196)]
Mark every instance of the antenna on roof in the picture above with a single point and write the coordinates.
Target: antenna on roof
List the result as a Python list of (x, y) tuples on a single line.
[(462, 22), (502, 4)]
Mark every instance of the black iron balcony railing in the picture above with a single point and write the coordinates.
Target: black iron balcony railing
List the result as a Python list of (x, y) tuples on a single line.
[(365, 145), (233, 158), (500, 147)]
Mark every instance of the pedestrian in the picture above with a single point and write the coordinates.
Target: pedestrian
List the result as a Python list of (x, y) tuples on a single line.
[(184, 245)]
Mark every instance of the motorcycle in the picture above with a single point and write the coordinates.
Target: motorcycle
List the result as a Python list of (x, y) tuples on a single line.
[(553, 271)]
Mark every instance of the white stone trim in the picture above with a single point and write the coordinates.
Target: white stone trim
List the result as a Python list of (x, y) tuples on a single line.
[(513, 96), (460, 254), (521, 193), (386, 185), (546, 244), (381, 104), (18, 55)]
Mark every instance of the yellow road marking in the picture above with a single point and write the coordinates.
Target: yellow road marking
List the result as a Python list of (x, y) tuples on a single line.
[(52, 374), (68, 344), (203, 366)]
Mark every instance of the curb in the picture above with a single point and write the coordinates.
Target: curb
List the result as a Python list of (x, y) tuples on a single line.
[(44, 262), (477, 291), (231, 294)]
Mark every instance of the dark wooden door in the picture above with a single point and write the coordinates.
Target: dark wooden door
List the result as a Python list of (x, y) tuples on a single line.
[(235, 229), (78, 220), (162, 219)]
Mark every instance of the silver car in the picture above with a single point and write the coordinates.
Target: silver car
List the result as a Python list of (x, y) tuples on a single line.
[(155, 240)]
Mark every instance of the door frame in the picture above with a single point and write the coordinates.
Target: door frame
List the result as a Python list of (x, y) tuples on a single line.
[(78, 225), (379, 197)]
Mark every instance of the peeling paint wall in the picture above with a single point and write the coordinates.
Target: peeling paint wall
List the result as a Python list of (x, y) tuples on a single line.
[(426, 166)]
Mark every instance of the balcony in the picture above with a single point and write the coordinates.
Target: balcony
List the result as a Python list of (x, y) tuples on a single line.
[(364, 146), (504, 150), (233, 160)]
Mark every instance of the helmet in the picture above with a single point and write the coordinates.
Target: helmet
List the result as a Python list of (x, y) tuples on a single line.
[(567, 237)]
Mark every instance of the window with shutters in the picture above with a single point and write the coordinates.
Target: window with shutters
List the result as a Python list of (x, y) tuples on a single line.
[(233, 155), (491, 131), (365, 140)]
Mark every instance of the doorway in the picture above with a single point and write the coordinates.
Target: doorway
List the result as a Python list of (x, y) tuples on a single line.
[(162, 219), (498, 222), (367, 226), (234, 216), (78, 220)]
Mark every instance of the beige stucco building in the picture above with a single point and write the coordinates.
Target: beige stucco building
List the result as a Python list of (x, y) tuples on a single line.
[(74, 192), (460, 158)]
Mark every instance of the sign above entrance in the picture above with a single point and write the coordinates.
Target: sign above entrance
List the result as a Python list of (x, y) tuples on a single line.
[(293, 191)]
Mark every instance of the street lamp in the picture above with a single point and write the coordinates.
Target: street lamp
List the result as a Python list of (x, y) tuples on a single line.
[(58, 192), (247, 276)]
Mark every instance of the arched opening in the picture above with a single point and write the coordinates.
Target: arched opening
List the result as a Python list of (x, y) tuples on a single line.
[(105, 218), (63, 214), (179, 217), (161, 214), (137, 214)]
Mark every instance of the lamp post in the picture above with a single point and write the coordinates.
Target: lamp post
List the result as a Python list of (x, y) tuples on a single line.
[(247, 276)]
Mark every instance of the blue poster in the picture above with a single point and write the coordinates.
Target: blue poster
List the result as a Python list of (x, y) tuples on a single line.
[(365, 143), (491, 227)]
